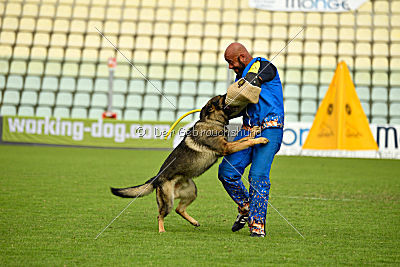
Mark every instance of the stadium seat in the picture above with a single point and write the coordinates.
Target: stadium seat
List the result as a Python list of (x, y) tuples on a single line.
[(346, 34), (7, 37), (307, 118), (67, 84), (379, 94), (87, 70), (43, 112), (154, 87), (395, 120), (149, 115), (151, 101), (8, 110), (207, 74), (131, 114), (291, 91), (35, 68), (46, 98), (50, 83), (64, 99), (134, 101), (379, 49), (291, 118), (171, 87), (18, 67), (168, 102), (291, 106), (120, 86), (188, 88), (188, 118), (80, 113), (81, 100), (296, 61), (379, 109), (52, 69), (80, 12), (310, 76), (60, 112), (379, 120), (311, 47), (394, 94), (292, 76), (95, 113), (14, 82), (137, 86), (394, 109), (77, 26), (29, 98), (362, 78), (161, 29), (173, 72), (11, 97), (394, 79), (363, 93), (366, 108), (308, 106), (32, 83), (118, 101), (2, 82), (167, 115), (26, 111), (84, 85), (380, 34), (309, 92), (201, 101), (206, 88), (380, 79), (122, 72), (220, 88), (186, 102), (99, 100)]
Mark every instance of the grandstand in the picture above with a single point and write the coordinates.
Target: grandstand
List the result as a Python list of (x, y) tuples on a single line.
[(53, 62)]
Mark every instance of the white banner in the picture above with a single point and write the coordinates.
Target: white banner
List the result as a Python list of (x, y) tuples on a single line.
[(295, 134), (386, 136), (307, 5)]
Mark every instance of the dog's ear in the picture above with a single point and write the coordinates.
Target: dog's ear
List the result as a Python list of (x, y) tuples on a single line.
[(222, 101), (204, 111)]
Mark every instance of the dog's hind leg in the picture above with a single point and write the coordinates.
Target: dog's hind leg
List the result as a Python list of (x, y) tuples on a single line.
[(187, 192), (165, 201)]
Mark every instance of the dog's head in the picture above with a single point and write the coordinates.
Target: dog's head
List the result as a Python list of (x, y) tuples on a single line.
[(215, 109)]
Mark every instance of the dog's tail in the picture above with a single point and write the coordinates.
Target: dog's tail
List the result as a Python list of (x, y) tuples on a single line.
[(135, 191)]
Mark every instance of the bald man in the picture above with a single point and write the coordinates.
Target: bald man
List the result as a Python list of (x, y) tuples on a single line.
[(268, 114)]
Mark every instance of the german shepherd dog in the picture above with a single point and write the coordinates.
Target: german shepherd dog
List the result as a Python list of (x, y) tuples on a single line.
[(202, 145)]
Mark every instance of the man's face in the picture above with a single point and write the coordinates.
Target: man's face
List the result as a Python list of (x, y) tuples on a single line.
[(235, 63)]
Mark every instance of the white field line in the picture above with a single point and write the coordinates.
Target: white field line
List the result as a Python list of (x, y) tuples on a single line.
[(316, 198)]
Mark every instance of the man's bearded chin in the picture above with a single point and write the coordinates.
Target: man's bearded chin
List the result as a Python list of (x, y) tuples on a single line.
[(241, 68)]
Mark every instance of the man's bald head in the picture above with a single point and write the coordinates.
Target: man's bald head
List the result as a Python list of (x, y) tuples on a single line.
[(237, 57)]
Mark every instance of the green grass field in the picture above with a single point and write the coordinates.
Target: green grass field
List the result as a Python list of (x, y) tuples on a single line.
[(54, 201)]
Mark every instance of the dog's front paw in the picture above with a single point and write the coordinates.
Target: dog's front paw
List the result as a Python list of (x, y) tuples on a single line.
[(196, 223), (255, 131), (261, 140)]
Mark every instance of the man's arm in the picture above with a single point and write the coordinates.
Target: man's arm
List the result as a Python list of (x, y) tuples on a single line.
[(266, 73)]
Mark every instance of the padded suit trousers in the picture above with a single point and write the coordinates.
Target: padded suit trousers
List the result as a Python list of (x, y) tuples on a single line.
[(255, 201)]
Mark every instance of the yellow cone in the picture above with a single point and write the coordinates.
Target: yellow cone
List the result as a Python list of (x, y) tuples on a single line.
[(340, 122)]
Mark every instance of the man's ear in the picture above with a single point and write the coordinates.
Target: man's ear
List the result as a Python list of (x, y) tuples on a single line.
[(242, 57)]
